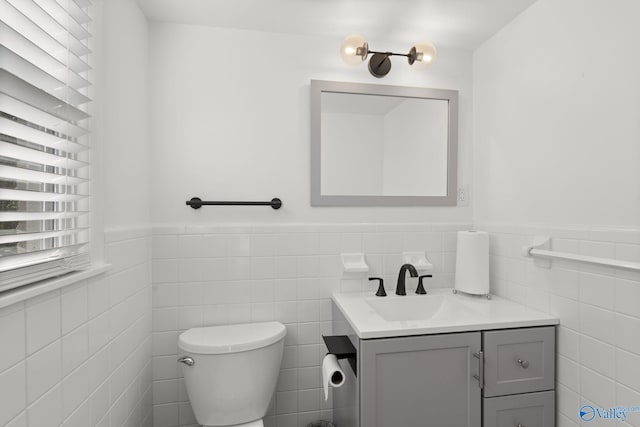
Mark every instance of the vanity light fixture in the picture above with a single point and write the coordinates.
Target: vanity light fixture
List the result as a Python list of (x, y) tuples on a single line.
[(355, 49)]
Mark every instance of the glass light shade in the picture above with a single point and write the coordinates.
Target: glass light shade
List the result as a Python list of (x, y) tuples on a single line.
[(354, 49), (426, 54)]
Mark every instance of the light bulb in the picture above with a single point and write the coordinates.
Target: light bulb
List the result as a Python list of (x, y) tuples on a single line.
[(426, 54), (354, 49)]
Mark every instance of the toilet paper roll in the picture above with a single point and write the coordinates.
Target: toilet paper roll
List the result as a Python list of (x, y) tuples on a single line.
[(332, 374), (472, 262)]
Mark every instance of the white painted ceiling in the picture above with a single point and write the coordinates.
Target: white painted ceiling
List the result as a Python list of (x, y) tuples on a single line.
[(463, 24)]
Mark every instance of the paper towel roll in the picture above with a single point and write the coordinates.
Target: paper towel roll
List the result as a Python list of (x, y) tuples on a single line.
[(472, 262), (332, 374)]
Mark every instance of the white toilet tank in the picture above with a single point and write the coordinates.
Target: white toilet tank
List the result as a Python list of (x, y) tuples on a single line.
[(234, 371)]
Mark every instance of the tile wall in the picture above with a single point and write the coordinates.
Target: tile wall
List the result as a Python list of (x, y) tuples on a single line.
[(219, 275), (81, 356), (599, 309)]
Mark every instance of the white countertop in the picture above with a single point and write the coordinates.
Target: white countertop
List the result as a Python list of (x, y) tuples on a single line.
[(450, 313)]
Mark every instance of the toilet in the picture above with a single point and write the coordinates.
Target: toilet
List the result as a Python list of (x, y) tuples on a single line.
[(231, 371)]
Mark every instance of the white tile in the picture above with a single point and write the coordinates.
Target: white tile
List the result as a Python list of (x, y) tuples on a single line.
[(75, 349), (239, 313), (166, 415), (75, 389), (263, 245), (215, 315), (308, 333), (627, 371), (308, 311), (629, 398), (597, 290), (286, 312), (598, 356), (81, 417), (287, 380), (628, 297), (165, 391), (289, 357), (308, 355), (19, 421), (565, 283), (568, 372), (568, 343), (185, 414), (43, 321), (44, 370), (165, 295), (97, 296), (567, 401), (12, 337), (74, 307), (165, 368), (286, 402), (567, 310), (165, 270), (309, 400), (262, 312), (13, 392), (628, 252), (165, 343), (98, 333), (597, 388), (99, 403), (309, 378), (47, 411), (597, 323), (627, 331), (164, 246), (597, 249), (165, 320)]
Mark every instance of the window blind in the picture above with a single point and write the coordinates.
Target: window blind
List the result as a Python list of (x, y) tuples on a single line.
[(45, 171)]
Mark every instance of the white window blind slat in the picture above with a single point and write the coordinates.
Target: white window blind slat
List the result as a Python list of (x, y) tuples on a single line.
[(31, 52), (63, 129), (39, 78), (15, 151), (63, 34), (11, 173), (23, 25), (39, 216), (75, 11), (39, 196), (14, 86), (13, 128), (53, 9)]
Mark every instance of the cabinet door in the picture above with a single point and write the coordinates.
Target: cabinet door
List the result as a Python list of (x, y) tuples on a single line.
[(420, 381), (520, 410), (519, 361)]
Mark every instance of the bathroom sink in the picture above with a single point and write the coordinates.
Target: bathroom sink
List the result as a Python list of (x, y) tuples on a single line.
[(440, 311), (408, 308)]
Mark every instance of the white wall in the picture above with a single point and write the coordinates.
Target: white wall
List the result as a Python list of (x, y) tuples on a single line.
[(124, 126), (230, 121), (556, 144), (556, 116)]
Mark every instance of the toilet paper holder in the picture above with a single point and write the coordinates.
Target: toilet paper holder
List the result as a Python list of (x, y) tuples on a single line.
[(341, 347)]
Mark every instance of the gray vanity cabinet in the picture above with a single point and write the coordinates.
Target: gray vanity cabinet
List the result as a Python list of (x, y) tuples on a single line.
[(420, 381)]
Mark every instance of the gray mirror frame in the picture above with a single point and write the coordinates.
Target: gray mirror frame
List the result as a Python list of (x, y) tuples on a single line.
[(317, 199)]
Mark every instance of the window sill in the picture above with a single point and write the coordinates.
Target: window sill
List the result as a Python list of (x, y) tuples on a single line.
[(23, 293)]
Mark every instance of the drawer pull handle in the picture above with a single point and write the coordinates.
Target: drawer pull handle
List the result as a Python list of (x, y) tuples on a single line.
[(525, 365), (480, 376), (520, 425)]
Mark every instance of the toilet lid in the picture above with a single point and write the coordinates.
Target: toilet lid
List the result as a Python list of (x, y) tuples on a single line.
[(231, 338)]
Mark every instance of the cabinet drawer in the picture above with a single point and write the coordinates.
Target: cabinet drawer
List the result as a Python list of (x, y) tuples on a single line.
[(521, 410), (519, 361)]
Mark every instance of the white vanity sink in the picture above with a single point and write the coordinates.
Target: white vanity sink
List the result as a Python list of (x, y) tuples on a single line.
[(439, 311), (420, 307)]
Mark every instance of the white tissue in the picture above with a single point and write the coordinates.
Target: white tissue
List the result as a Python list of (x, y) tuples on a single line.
[(472, 262), (332, 374)]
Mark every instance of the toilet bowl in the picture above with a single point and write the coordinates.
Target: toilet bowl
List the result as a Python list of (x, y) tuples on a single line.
[(231, 371)]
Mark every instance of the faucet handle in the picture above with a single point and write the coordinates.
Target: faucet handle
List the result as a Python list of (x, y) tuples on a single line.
[(421, 290), (381, 292)]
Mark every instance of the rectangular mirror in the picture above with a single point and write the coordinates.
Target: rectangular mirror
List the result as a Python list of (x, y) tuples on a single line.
[(378, 145)]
